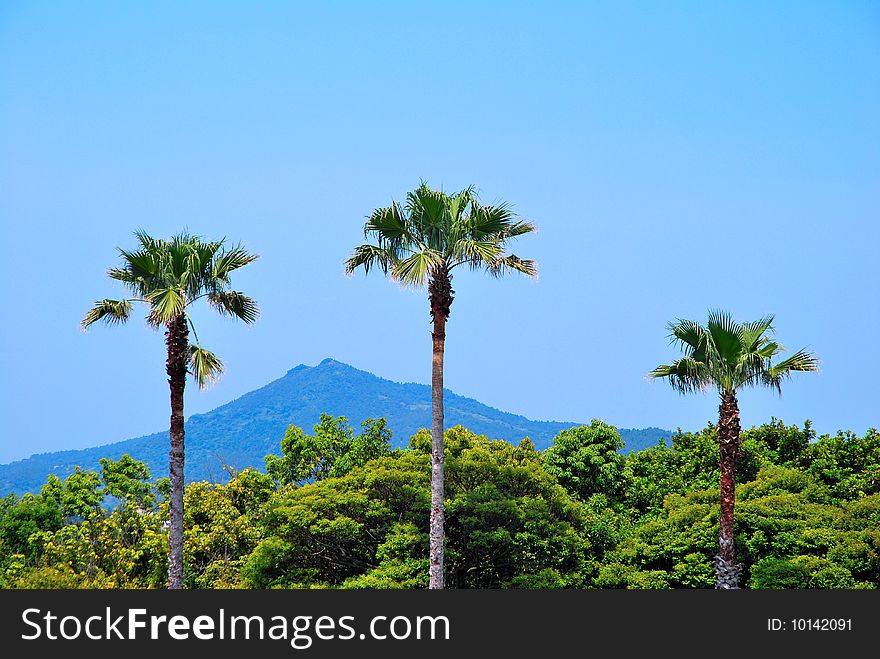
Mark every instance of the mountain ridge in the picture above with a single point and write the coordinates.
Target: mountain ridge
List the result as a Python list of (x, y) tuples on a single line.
[(241, 432)]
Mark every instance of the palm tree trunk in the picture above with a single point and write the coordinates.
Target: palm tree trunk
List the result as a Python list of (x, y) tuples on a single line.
[(727, 571), (177, 342), (440, 295)]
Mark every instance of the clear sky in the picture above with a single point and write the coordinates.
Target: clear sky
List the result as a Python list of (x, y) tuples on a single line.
[(676, 157)]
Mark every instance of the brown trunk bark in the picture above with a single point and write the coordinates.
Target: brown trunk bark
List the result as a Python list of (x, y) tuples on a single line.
[(440, 294), (727, 571), (177, 342)]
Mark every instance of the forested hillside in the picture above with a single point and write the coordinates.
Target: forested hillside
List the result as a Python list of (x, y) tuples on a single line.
[(241, 432), (337, 506)]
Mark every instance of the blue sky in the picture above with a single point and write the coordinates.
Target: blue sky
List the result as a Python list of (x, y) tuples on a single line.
[(676, 157)]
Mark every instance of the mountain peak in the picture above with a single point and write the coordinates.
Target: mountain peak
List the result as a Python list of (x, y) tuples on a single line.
[(328, 361)]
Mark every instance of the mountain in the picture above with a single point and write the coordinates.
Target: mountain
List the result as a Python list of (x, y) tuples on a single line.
[(242, 432)]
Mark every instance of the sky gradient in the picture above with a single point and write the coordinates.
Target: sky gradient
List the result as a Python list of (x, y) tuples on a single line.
[(676, 158)]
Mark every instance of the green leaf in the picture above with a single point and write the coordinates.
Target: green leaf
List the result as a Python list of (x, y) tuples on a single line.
[(165, 305), (205, 366), (234, 303), (367, 256), (235, 258), (414, 270), (112, 312)]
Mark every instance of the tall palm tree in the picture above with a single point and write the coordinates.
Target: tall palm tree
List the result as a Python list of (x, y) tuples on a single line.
[(421, 241), (726, 355), (169, 276)]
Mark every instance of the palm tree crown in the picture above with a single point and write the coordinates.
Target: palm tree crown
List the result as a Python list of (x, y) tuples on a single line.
[(433, 230), (169, 276), (728, 355)]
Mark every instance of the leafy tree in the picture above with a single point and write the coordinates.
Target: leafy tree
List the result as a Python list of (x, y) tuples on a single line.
[(848, 464), (727, 356), (81, 495), (127, 480), (122, 547), (785, 444), (420, 242), (126, 549), (691, 463), (169, 276), (784, 518), (21, 518), (332, 451), (586, 460), (222, 527), (510, 524)]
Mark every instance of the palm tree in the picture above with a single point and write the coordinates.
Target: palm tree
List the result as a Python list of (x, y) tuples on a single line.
[(421, 241), (727, 356), (169, 276)]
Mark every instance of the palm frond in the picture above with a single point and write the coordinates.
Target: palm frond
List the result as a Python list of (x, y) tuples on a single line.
[(763, 324), (475, 253), (388, 223), (460, 209), (414, 270), (429, 216), (489, 220), (368, 256), (768, 349), (148, 243), (234, 303), (725, 335), (140, 264), (112, 312), (205, 366), (134, 283), (516, 229), (691, 337), (233, 259), (686, 375), (165, 305), (502, 265), (802, 360)]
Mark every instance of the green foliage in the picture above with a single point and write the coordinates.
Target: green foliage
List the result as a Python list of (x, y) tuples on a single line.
[(850, 465), (21, 518), (784, 445), (800, 572), (506, 517), (80, 495), (586, 460), (66, 538), (787, 524), (127, 479), (125, 549), (332, 451), (220, 528), (573, 516), (691, 463)]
